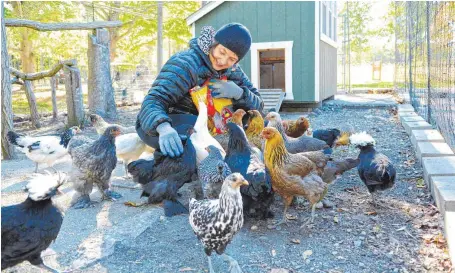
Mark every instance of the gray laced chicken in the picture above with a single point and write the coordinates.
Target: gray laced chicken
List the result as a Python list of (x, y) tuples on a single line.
[(212, 171)]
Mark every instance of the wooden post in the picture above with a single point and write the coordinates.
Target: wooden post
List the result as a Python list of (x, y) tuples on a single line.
[(74, 99), (53, 82), (100, 91), (34, 115), (7, 107)]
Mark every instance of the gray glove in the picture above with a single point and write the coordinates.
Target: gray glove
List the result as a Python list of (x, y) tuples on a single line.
[(229, 89), (169, 140)]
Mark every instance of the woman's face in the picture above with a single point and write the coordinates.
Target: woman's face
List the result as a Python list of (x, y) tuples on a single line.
[(222, 57)]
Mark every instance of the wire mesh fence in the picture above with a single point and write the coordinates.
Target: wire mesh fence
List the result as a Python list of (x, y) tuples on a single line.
[(425, 61)]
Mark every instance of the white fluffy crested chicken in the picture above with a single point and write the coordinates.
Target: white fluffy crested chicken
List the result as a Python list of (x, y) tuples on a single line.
[(43, 149), (202, 138), (216, 221), (129, 147)]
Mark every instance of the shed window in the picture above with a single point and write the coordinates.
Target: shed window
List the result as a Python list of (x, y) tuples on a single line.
[(328, 19)]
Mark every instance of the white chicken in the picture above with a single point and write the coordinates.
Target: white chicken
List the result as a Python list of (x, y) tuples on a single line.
[(43, 149), (129, 147), (202, 138)]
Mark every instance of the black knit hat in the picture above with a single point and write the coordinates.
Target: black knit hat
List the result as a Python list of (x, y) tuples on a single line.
[(235, 37)]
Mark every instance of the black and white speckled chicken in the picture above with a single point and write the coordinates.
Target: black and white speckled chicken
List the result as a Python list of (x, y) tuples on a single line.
[(258, 196), (167, 175), (43, 149), (216, 221), (212, 171), (93, 163), (375, 169), (30, 227)]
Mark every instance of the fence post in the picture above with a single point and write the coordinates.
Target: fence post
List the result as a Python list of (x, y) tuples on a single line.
[(53, 81), (34, 115), (409, 21), (74, 99), (428, 63)]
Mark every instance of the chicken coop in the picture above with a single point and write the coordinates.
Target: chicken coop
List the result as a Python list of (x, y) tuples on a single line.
[(294, 44)]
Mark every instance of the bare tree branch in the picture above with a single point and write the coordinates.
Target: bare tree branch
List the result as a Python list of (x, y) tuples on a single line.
[(39, 75), (60, 26)]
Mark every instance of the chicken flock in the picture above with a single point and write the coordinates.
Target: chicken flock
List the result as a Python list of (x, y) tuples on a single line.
[(240, 174)]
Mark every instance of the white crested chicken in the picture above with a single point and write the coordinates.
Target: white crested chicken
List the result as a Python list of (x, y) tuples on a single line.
[(292, 174), (216, 221), (202, 137), (375, 169), (43, 149)]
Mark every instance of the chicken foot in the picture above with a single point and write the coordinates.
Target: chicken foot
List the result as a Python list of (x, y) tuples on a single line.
[(110, 195), (47, 268), (234, 266), (36, 167), (83, 202), (283, 220), (310, 221)]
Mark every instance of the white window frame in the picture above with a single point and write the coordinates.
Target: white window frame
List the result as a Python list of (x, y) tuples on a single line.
[(287, 46), (330, 38)]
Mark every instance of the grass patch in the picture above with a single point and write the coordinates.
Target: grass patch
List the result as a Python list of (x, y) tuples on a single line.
[(374, 85)]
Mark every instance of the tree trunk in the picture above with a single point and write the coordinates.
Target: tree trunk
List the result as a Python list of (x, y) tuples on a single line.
[(7, 107), (27, 61), (114, 32), (53, 82), (74, 98), (34, 115), (100, 91), (159, 46)]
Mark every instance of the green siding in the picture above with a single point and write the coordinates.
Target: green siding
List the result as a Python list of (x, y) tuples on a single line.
[(270, 22)]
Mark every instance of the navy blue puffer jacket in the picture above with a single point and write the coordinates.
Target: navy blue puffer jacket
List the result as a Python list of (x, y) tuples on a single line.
[(170, 91)]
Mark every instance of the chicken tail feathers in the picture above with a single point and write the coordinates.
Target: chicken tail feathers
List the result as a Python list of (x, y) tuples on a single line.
[(13, 138), (172, 208), (141, 170)]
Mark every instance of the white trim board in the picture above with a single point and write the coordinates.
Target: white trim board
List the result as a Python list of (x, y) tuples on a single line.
[(329, 41), (193, 29), (316, 50), (202, 11), (287, 46)]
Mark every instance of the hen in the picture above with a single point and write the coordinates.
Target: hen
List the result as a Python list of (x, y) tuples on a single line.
[(101, 125), (93, 163), (202, 138), (216, 221), (375, 169), (30, 227), (329, 136), (258, 196), (296, 145), (296, 128), (43, 149), (212, 171), (167, 175), (335, 168), (237, 117), (254, 129), (292, 174)]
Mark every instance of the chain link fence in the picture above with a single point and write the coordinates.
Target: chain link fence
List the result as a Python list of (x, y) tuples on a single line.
[(425, 61)]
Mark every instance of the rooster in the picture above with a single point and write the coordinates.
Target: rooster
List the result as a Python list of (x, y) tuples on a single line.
[(202, 138), (241, 158), (93, 163), (292, 174), (296, 145), (212, 171), (375, 169), (43, 149), (30, 227), (296, 128), (216, 221), (161, 181)]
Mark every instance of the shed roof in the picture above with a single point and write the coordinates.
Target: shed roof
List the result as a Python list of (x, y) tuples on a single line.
[(202, 11)]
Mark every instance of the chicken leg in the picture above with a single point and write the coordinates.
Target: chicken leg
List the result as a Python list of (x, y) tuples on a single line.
[(83, 202), (283, 220), (36, 167), (234, 266)]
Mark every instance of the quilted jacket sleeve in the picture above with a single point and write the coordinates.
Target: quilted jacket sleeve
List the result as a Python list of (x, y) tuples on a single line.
[(251, 99), (175, 79)]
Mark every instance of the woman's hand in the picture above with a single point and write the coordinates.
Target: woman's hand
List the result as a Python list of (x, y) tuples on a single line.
[(169, 140), (228, 89)]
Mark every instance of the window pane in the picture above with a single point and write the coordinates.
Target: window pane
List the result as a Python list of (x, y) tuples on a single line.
[(330, 25), (335, 29), (324, 19)]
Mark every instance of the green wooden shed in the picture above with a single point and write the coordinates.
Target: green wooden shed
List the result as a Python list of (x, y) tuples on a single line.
[(294, 44)]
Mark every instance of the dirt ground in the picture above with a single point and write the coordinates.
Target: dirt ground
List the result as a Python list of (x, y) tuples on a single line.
[(403, 236)]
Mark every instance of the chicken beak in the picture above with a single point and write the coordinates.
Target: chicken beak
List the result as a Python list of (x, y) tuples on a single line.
[(244, 183), (59, 192)]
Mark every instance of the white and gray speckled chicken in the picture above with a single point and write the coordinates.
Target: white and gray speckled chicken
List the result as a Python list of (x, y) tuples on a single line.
[(212, 171), (93, 163), (216, 221)]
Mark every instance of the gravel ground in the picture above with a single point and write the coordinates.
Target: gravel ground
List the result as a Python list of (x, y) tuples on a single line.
[(352, 236)]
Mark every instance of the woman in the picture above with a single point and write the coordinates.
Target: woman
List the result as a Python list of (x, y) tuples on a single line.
[(211, 56)]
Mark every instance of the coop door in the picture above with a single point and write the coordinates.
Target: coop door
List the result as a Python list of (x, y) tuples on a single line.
[(272, 69)]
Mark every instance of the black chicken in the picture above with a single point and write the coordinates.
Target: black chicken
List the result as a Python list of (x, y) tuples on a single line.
[(30, 227), (327, 135), (212, 171), (258, 196), (375, 169), (93, 163), (161, 182)]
